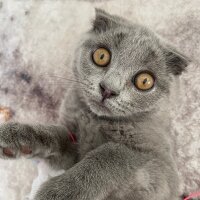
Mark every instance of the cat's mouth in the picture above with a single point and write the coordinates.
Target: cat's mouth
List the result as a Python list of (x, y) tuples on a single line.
[(100, 106)]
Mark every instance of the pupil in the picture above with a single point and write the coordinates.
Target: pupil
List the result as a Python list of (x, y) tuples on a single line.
[(102, 56), (144, 81)]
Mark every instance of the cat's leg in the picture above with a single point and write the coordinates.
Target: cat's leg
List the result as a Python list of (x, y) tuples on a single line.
[(49, 142), (114, 172)]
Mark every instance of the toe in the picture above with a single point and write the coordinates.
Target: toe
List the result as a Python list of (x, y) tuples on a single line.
[(26, 150), (8, 152)]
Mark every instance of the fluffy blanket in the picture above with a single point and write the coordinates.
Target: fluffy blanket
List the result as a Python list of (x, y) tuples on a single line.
[(37, 41)]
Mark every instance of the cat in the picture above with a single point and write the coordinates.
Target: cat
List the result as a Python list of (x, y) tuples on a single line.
[(112, 137)]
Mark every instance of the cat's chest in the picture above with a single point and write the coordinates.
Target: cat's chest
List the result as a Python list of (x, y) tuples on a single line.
[(94, 132)]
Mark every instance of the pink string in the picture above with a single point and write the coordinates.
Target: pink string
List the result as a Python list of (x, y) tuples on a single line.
[(72, 138), (193, 195)]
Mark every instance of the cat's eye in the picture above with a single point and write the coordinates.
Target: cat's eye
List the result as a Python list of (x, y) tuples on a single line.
[(144, 81), (101, 57)]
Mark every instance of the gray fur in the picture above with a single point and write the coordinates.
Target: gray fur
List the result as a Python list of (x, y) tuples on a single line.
[(123, 150)]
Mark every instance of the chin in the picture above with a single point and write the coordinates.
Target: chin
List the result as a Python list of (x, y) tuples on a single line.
[(104, 110), (100, 109)]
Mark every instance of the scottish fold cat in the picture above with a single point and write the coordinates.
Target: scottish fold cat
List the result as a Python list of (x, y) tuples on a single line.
[(112, 137)]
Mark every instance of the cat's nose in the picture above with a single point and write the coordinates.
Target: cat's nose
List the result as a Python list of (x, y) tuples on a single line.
[(106, 92)]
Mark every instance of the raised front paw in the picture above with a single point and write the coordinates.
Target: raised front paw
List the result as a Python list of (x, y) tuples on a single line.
[(67, 186), (15, 140)]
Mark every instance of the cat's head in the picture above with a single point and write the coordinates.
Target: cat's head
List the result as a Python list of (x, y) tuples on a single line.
[(124, 68)]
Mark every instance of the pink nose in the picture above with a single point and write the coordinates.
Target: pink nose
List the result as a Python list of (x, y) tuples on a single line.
[(106, 93)]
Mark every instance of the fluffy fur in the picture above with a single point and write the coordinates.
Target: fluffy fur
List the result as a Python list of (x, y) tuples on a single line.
[(160, 28), (123, 148)]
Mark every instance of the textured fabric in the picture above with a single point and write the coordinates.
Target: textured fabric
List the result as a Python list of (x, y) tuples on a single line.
[(37, 41)]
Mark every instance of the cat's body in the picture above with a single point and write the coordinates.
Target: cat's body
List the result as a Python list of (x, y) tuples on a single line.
[(140, 132), (122, 125), (93, 131)]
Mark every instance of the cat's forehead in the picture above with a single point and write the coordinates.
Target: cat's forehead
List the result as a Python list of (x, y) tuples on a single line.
[(135, 43), (124, 37)]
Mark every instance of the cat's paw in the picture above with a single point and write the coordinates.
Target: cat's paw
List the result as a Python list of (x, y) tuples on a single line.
[(13, 144)]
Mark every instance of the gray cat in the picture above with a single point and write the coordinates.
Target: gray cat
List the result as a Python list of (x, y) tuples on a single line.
[(116, 115)]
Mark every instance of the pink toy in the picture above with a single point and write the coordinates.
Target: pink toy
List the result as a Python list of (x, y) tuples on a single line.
[(193, 195)]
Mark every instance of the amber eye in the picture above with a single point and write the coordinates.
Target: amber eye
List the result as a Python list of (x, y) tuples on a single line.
[(144, 81), (101, 57)]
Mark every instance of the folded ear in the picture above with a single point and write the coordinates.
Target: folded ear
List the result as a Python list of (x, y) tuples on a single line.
[(104, 21), (176, 61)]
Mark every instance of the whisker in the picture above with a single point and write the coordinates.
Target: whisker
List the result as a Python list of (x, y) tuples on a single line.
[(65, 79), (77, 80), (65, 82), (60, 81), (72, 85), (65, 85)]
